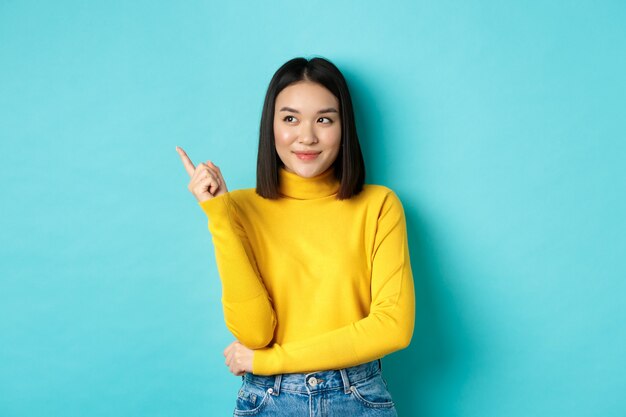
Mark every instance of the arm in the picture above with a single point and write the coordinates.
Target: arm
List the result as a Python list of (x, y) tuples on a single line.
[(248, 311), (387, 328)]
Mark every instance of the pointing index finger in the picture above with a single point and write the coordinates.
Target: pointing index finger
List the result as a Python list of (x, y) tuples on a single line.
[(189, 167)]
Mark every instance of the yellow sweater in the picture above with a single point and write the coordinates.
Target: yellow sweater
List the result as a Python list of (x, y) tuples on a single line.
[(310, 282)]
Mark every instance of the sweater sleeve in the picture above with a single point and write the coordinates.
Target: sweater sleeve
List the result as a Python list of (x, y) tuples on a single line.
[(388, 326), (248, 310)]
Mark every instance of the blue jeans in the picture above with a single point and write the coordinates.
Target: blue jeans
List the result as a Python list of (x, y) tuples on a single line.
[(356, 391)]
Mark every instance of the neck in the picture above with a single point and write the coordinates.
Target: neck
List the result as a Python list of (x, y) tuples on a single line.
[(294, 186)]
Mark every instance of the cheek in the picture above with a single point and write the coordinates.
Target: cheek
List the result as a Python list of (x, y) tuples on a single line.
[(282, 144), (333, 139), (282, 136)]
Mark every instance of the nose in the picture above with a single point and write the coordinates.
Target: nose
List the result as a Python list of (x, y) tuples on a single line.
[(307, 135)]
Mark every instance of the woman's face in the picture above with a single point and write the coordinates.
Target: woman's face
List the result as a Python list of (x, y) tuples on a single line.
[(307, 128)]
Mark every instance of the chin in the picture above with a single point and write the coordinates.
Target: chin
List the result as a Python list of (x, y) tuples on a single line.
[(308, 171)]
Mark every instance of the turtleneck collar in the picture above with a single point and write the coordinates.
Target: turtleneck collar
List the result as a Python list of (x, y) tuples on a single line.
[(301, 188)]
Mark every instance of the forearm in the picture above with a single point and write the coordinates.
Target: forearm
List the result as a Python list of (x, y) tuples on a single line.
[(368, 339), (248, 311), (388, 328)]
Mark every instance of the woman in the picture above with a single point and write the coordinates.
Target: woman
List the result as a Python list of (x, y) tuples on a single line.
[(314, 264)]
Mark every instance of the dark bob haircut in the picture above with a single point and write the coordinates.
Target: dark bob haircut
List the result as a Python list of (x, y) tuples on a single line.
[(349, 165)]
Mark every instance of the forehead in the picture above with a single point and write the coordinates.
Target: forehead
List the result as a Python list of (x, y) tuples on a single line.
[(305, 95)]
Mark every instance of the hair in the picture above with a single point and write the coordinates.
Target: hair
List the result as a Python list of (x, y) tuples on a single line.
[(349, 166)]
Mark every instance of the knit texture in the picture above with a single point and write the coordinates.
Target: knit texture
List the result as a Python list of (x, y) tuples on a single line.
[(310, 282)]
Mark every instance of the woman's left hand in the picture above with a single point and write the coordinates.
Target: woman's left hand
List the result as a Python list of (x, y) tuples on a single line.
[(238, 358)]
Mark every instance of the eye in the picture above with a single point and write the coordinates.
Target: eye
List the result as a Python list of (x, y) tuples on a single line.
[(322, 118), (289, 119)]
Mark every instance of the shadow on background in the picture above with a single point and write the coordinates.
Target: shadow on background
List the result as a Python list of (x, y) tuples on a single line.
[(431, 353), (435, 346)]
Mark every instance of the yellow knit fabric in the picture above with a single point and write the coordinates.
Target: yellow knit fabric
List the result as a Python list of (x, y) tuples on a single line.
[(310, 282)]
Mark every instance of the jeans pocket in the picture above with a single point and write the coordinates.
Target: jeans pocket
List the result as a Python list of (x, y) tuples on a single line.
[(373, 393), (251, 399)]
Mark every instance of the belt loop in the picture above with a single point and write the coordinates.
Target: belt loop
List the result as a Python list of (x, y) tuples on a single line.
[(346, 381), (277, 380), (380, 365)]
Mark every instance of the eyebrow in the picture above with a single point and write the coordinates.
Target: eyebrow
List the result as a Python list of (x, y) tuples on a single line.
[(328, 110)]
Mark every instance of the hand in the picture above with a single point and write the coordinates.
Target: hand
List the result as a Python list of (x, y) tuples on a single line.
[(238, 358), (206, 179)]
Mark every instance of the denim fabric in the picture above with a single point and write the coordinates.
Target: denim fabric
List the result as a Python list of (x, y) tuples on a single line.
[(356, 391)]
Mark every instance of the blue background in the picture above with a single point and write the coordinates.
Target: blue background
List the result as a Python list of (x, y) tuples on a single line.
[(499, 124)]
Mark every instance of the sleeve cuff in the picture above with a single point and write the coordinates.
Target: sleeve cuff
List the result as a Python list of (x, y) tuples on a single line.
[(265, 361), (215, 205)]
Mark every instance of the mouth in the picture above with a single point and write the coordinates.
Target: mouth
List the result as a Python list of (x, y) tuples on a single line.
[(307, 156)]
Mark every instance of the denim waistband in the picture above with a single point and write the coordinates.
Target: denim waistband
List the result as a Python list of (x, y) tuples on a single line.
[(316, 381)]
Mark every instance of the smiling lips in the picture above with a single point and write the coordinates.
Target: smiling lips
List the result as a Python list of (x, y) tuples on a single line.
[(307, 156)]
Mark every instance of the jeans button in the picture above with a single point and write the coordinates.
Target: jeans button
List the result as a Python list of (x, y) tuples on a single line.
[(312, 381)]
